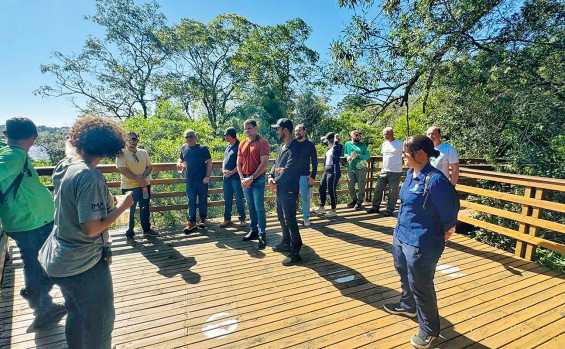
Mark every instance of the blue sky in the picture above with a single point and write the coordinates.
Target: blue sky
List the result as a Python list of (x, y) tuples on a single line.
[(31, 29)]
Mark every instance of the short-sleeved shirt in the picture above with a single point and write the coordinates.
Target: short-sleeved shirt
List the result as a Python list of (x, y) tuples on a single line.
[(250, 152), (81, 195), (392, 156), (136, 164), (195, 158), (32, 207), (448, 155), (230, 159)]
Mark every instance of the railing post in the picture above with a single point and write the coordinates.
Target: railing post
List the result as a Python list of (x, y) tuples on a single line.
[(523, 227), (534, 231), (369, 180)]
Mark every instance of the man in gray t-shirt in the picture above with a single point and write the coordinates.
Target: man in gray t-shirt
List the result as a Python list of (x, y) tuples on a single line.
[(81, 196)]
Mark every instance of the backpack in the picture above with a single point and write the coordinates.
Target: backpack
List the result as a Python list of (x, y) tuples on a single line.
[(15, 185)]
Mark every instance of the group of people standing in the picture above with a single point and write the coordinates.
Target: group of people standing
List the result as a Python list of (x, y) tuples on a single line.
[(66, 242)]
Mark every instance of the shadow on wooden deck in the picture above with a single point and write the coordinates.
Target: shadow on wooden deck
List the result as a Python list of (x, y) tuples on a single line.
[(212, 290)]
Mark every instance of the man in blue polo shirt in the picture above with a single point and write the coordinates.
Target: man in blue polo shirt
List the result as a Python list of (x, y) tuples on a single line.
[(232, 182)]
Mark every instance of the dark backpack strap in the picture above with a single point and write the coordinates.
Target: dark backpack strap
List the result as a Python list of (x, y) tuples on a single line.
[(16, 183)]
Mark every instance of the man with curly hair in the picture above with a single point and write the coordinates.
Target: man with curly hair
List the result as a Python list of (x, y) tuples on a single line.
[(77, 253), (26, 210)]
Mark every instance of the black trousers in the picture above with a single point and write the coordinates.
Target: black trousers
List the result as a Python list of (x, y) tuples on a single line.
[(286, 210), (328, 184)]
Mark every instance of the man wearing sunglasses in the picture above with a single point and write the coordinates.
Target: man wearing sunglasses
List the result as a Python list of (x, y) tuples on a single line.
[(357, 154), (196, 160), (135, 166)]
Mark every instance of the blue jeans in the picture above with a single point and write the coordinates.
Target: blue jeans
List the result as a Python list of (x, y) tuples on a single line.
[(89, 299), (194, 191), (232, 187), (416, 267), (37, 283), (306, 195), (255, 197), (143, 210)]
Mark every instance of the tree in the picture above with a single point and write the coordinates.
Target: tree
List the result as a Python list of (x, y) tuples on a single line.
[(310, 110), (279, 61), (204, 68), (399, 51), (116, 74)]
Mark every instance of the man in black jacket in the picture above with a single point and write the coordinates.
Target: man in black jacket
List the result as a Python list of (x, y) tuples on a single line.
[(284, 180)]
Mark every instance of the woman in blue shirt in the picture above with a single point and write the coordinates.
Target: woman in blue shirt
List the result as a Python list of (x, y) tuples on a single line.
[(428, 210)]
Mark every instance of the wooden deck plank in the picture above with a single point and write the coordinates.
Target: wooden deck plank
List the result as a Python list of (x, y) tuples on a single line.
[(166, 290)]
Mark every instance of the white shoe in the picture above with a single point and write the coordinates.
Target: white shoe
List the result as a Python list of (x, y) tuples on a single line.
[(306, 222), (330, 214), (320, 210)]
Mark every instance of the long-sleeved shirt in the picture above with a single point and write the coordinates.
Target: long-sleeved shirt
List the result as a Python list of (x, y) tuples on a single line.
[(424, 219), (308, 157), (336, 151), (362, 152), (286, 170)]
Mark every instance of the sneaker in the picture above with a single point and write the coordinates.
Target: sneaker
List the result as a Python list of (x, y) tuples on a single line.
[(358, 207), (252, 235), (242, 223), (23, 293), (262, 242), (374, 210), (330, 214), (130, 241), (202, 224), (306, 222), (150, 232), (421, 340), (320, 210), (396, 309), (387, 214), (291, 260), (281, 248), (190, 226), (49, 316), (225, 223), (352, 204)]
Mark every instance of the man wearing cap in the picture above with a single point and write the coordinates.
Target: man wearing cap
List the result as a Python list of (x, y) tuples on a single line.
[(135, 166), (231, 181), (196, 159), (27, 213), (391, 150), (447, 158), (307, 176), (357, 154), (284, 181), (252, 160)]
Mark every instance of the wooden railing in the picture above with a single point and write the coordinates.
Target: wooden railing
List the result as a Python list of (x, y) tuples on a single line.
[(529, 221)]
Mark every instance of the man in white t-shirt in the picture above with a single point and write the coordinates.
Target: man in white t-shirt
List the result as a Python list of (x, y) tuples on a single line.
[(135, 167), (391, 150), (447, 158)]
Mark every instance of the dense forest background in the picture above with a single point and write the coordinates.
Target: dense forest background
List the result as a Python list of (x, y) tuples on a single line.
[(490, 73)]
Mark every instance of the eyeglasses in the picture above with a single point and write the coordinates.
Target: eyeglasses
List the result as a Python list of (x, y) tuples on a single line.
[(190, 136), (135, 157), (133, 139)]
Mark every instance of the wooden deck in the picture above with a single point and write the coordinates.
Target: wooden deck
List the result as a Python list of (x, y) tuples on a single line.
[(211, 290)]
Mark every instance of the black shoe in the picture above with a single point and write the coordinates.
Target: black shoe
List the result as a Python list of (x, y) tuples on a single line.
[(374, 210), (352, 204), (281, 248), (49, 317), (262, 242), (130, 241), (387, 214), (358, 207), (252, 235), (23, 293), (396, 309), (291, 259), (150, 232)]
